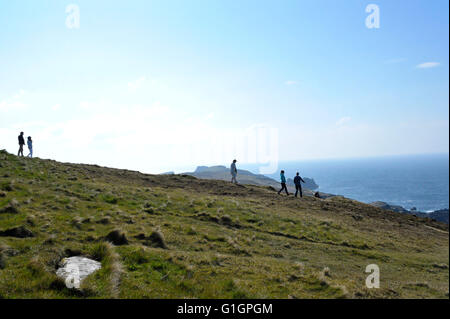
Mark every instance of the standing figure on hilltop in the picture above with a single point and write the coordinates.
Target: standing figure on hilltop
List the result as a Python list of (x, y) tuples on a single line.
[(21, 144), (233, 171), (298, 184), (30, 147), (283, 183)]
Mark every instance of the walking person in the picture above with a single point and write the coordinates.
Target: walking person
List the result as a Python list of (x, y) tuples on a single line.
[(30, 147), (298, 184), (283, 183), (21, 144), (233, 171)]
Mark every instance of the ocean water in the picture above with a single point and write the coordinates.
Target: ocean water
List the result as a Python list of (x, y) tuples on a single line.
[(420, 181)]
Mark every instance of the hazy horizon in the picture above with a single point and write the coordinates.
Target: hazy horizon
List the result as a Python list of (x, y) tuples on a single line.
[(253, 167), (153, 85)]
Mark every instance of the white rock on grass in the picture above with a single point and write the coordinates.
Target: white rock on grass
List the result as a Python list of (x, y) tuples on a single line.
[(76, 269)]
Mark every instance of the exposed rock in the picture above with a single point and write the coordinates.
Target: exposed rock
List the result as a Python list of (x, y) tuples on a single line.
[(440, 266), (19, 232), (50, 240), (438, 215), (72, 252), (147, 205), (141, 236), (89, 239), (10, 209), (386, 206), (77, 267), (156, 239), (7, 187), (206, 216), (8, 251), (226, 220), (31, 221), (104, 221), (76, 222), (117, 238), (310, 183), (150, 210)]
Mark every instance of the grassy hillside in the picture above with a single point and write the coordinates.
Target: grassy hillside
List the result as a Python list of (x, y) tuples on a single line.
[(192, 238)]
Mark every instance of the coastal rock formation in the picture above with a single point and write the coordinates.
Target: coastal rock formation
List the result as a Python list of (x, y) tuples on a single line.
[(310, 183), (439, 215), (386, 206), (247, 177)]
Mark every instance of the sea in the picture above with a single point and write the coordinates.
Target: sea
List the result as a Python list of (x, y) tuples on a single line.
[(420, 181)]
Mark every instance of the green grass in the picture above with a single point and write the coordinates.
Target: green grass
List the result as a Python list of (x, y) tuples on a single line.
[(251, 244)]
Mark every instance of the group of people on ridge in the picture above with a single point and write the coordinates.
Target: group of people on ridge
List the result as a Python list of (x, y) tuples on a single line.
[(297, 180), (233, 170), (22, 143)]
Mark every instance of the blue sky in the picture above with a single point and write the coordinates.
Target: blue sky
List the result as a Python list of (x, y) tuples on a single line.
[(161, 85)]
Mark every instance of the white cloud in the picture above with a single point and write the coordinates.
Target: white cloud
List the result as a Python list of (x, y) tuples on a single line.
[(56, 107), (13, 103), (427, 65), (149, 138), (344, 120), (291, 82), (94, 106), (19, 94), (137, 84), (7, 105)]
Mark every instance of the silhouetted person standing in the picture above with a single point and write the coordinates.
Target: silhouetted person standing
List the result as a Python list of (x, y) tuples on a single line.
[(233, 171), (298, 184), (30, 146), (21, 144), (283, 183)]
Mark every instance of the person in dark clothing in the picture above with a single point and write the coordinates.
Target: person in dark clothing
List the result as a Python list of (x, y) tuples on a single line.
[(283, 183), (298, 184), (21, 144), (233, 171)]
